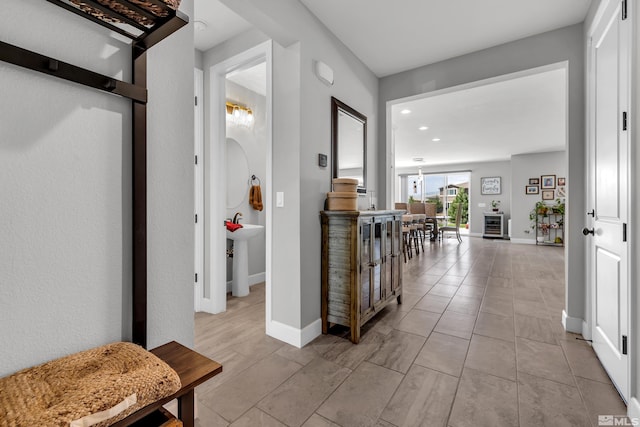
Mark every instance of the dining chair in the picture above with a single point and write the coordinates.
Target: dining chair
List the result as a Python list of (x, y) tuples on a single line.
[(456, 228), (400, 206)]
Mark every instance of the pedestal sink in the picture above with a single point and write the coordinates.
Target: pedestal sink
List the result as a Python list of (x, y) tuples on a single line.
[(240, 237)]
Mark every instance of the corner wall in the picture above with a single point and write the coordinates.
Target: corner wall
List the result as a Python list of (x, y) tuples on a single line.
[(65, 180)]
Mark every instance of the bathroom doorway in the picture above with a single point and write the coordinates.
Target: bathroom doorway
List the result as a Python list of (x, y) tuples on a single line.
[(237, 124)]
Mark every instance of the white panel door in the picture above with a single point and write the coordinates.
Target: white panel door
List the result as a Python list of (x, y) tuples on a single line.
[(609, 184)]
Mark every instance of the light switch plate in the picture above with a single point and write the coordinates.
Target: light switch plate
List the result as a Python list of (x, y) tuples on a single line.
[(280, 199), (322, 160)]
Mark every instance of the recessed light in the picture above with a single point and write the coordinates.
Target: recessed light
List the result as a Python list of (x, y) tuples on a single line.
[(436, 139), (423, 127), (418, 159), (405, 111)]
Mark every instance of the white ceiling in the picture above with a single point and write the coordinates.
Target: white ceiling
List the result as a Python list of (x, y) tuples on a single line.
[(221, 24), (393, 36), (253, 78), (484, 123)]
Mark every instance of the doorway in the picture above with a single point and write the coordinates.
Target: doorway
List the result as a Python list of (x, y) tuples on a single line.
[(212, 298)]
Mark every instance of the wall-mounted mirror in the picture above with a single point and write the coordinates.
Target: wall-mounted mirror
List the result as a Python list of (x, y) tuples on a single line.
[(237, 174), (348, 143)]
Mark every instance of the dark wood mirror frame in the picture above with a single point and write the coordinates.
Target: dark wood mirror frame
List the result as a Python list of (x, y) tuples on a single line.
[(336, 107)]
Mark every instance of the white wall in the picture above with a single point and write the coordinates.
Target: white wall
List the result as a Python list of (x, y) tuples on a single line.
[(65, 179), (525, 166), (477, 171)]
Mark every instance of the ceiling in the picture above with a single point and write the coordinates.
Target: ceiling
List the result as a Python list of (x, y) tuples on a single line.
[(394, 36), (490, 122), (483, 123)]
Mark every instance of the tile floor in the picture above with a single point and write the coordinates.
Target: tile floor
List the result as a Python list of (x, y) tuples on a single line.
[(477, 342)]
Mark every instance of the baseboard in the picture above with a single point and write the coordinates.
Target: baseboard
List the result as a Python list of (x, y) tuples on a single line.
[(294, 336), (474, 234), (523, 241), (633, 410), (254, 279), (571, 324), (586, 330)]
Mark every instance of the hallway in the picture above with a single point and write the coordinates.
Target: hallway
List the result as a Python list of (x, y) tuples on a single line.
[(478, 341)]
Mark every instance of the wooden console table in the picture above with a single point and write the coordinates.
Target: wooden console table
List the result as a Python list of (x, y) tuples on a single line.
[(192, 368)]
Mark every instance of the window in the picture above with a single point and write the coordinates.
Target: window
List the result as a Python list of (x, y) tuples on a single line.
[(452, 191)]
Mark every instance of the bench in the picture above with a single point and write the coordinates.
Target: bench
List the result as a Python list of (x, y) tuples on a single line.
[(118, 384)]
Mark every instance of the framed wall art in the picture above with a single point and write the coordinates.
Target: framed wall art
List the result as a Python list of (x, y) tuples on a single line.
[(491, 185), (531, 189), (547, 194), (562, 181), (547, 182), (534, 181)]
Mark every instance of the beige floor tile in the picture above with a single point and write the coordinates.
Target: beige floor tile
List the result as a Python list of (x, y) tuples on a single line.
[(498, 292), (256, 418), (415, 288), (495, 326), (443, 290), (548, 403), (424, 398), (483, 400), (528, 294), (543, 360), (478, 281), (259, 347), (465, 305), (300, 355), (470, 291), (433, 303), (444, 353), (418, 322), (297, 399), (449, 279), (492, 356), (361, 398), (233, 398), (409, 300), (497, 305), (398, 351), (532, 309), (317, 421), (600, 399), (499, 282), (583, 361), (456, 324), (208, 418), (535, 329)]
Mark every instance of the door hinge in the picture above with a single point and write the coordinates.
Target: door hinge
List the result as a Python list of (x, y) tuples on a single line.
[(196, 160), (624, 120), (624, 232), (624, 9), (196, 100), (196, 218), (196, 277), (624, 344)]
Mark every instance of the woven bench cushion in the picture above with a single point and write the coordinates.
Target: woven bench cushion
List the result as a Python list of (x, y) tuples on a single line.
[(82, 384)]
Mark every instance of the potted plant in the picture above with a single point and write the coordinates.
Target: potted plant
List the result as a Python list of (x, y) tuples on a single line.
[(495, 204), (558, 208), (542, 208)]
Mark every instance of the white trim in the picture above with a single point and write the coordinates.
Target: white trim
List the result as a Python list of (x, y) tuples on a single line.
[(254, 279), (633, 409), (586, 330), (199, 189), (520, 241), (571, 324), (294, 336)]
